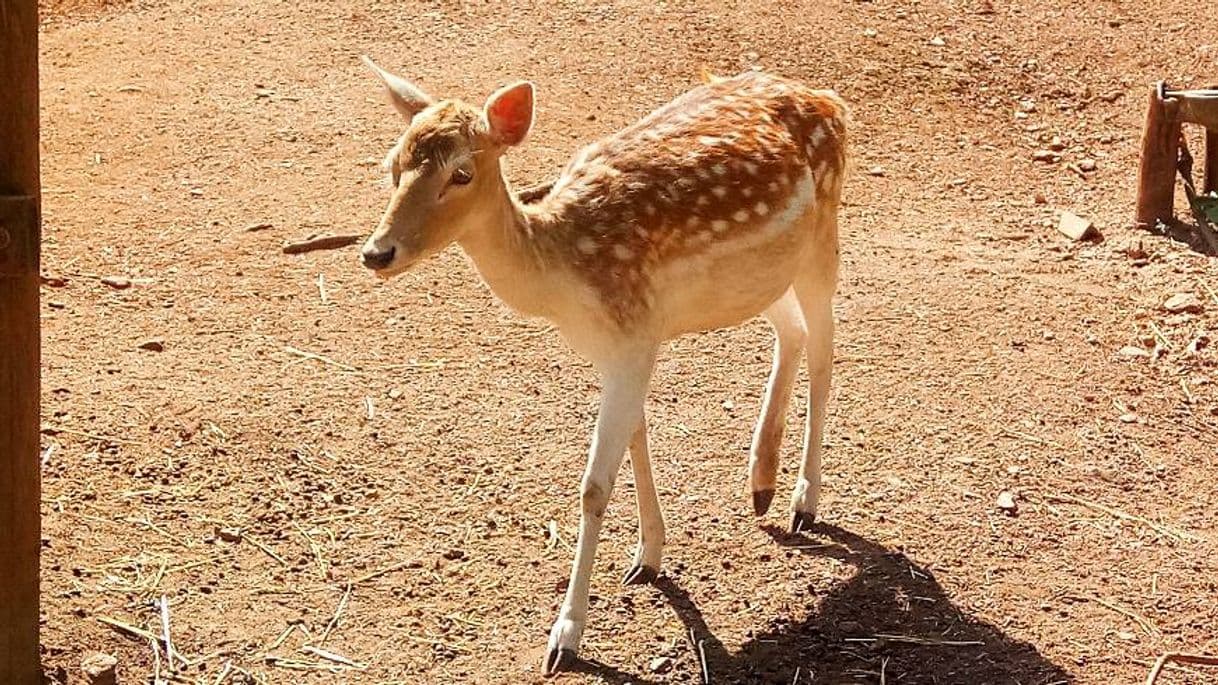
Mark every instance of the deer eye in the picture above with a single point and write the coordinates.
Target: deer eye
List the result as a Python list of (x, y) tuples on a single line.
[(461, 176)]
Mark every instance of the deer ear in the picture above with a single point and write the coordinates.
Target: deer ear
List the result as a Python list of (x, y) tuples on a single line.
[(406, 97), (509, 113)]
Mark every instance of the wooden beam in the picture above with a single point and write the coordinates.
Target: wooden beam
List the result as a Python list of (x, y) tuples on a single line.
[(19, 352), (1197, 106), (1160, 147)]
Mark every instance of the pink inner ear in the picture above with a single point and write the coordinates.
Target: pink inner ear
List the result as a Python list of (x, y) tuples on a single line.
[(510, 114)]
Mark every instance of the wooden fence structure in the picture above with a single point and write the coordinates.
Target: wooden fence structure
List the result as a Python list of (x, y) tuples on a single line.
[(20, 207)]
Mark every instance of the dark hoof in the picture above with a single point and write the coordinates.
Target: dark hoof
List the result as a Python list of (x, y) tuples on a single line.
[(761, 501), (802, 521), (559, 660), (640, 575)]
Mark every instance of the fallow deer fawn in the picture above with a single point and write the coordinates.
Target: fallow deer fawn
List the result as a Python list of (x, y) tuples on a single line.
[(717, 207)]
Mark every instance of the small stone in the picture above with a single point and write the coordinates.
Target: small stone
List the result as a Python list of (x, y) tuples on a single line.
[(1131, 351), (1087, 164), (116, 282), (1128, 417), (870, 33), (395, 393), (729, 405), (1040, 199), (229, 534), (99, 668), (660, 664), (938, 41), (1183, 302), (1046, 156), (154, 345), (1056, 144), (1126, 635), (1075, 227), (876, 171), (1006, 503)]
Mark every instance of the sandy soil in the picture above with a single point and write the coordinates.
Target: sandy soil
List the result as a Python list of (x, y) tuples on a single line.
[(391, 499)]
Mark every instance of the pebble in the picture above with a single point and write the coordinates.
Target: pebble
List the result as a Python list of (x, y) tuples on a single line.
[(1183, 302), (660, 664), (99, 668), (1006, 502)]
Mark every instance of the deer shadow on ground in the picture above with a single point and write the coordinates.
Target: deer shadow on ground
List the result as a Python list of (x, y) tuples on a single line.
[(929, 639)]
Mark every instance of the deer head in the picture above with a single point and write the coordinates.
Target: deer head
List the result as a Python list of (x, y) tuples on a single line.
[(445, 170)]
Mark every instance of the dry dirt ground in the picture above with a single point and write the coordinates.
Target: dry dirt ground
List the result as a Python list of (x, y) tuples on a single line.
[(407, 499)]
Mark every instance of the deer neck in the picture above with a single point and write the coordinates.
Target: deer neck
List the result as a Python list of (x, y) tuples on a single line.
[(504, 250)]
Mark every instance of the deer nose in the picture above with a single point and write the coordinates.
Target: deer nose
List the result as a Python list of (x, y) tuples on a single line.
[(377, 260)]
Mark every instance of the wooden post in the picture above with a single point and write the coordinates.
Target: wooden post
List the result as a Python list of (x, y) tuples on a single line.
[(19, 343), (1211, 161), (1160, 146)]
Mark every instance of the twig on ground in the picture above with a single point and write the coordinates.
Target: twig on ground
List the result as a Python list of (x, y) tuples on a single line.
[(325, 242), (388, 569), (265, 549), (1117, 513), (156, 662), (342, 606), (1159, 335), (1178, 657), (165, 635), (297, 665), (1012, 433), (1210, 291), (317, 357), (122, 627), (331, 656), (915, 640), (706, 676), (51, 429), (224, 672), (316, 549), (1143, 623), (321, 289)]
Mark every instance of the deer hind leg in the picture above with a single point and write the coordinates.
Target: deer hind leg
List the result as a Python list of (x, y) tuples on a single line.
[(816, 301), (651, 519), (790, 334), (621, 412)]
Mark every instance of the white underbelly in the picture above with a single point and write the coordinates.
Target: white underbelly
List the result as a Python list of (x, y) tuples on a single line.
[(730, 283)]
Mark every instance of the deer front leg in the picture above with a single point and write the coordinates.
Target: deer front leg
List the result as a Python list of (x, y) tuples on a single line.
[(621, 412), (651, 519)]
